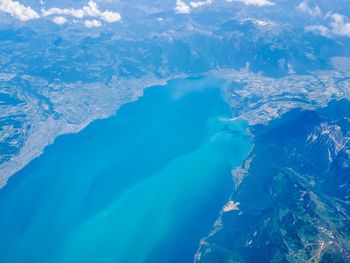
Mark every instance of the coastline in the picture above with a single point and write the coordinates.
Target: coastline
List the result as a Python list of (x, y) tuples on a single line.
[(34, 148)]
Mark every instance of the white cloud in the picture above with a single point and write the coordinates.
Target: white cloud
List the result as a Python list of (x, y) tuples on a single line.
[(17, 10), (110, 17), (91, 10), (92, 23), (59, 20), (182, 7), (340, 25), (201, 3), (23, 13), (318, 29), (254, 2), (305, 8), (77, 13)]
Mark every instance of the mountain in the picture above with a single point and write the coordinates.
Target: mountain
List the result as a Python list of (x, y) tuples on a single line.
[(294, 203)]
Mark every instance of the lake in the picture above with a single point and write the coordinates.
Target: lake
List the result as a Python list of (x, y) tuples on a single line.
[(141, 186)]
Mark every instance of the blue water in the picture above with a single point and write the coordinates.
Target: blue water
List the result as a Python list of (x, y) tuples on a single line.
[(142, 186)]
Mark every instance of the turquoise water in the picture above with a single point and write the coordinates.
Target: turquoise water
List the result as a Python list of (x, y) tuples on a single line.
[(142, 186)]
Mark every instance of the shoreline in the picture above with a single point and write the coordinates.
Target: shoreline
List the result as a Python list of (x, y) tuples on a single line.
[(34, 148)]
